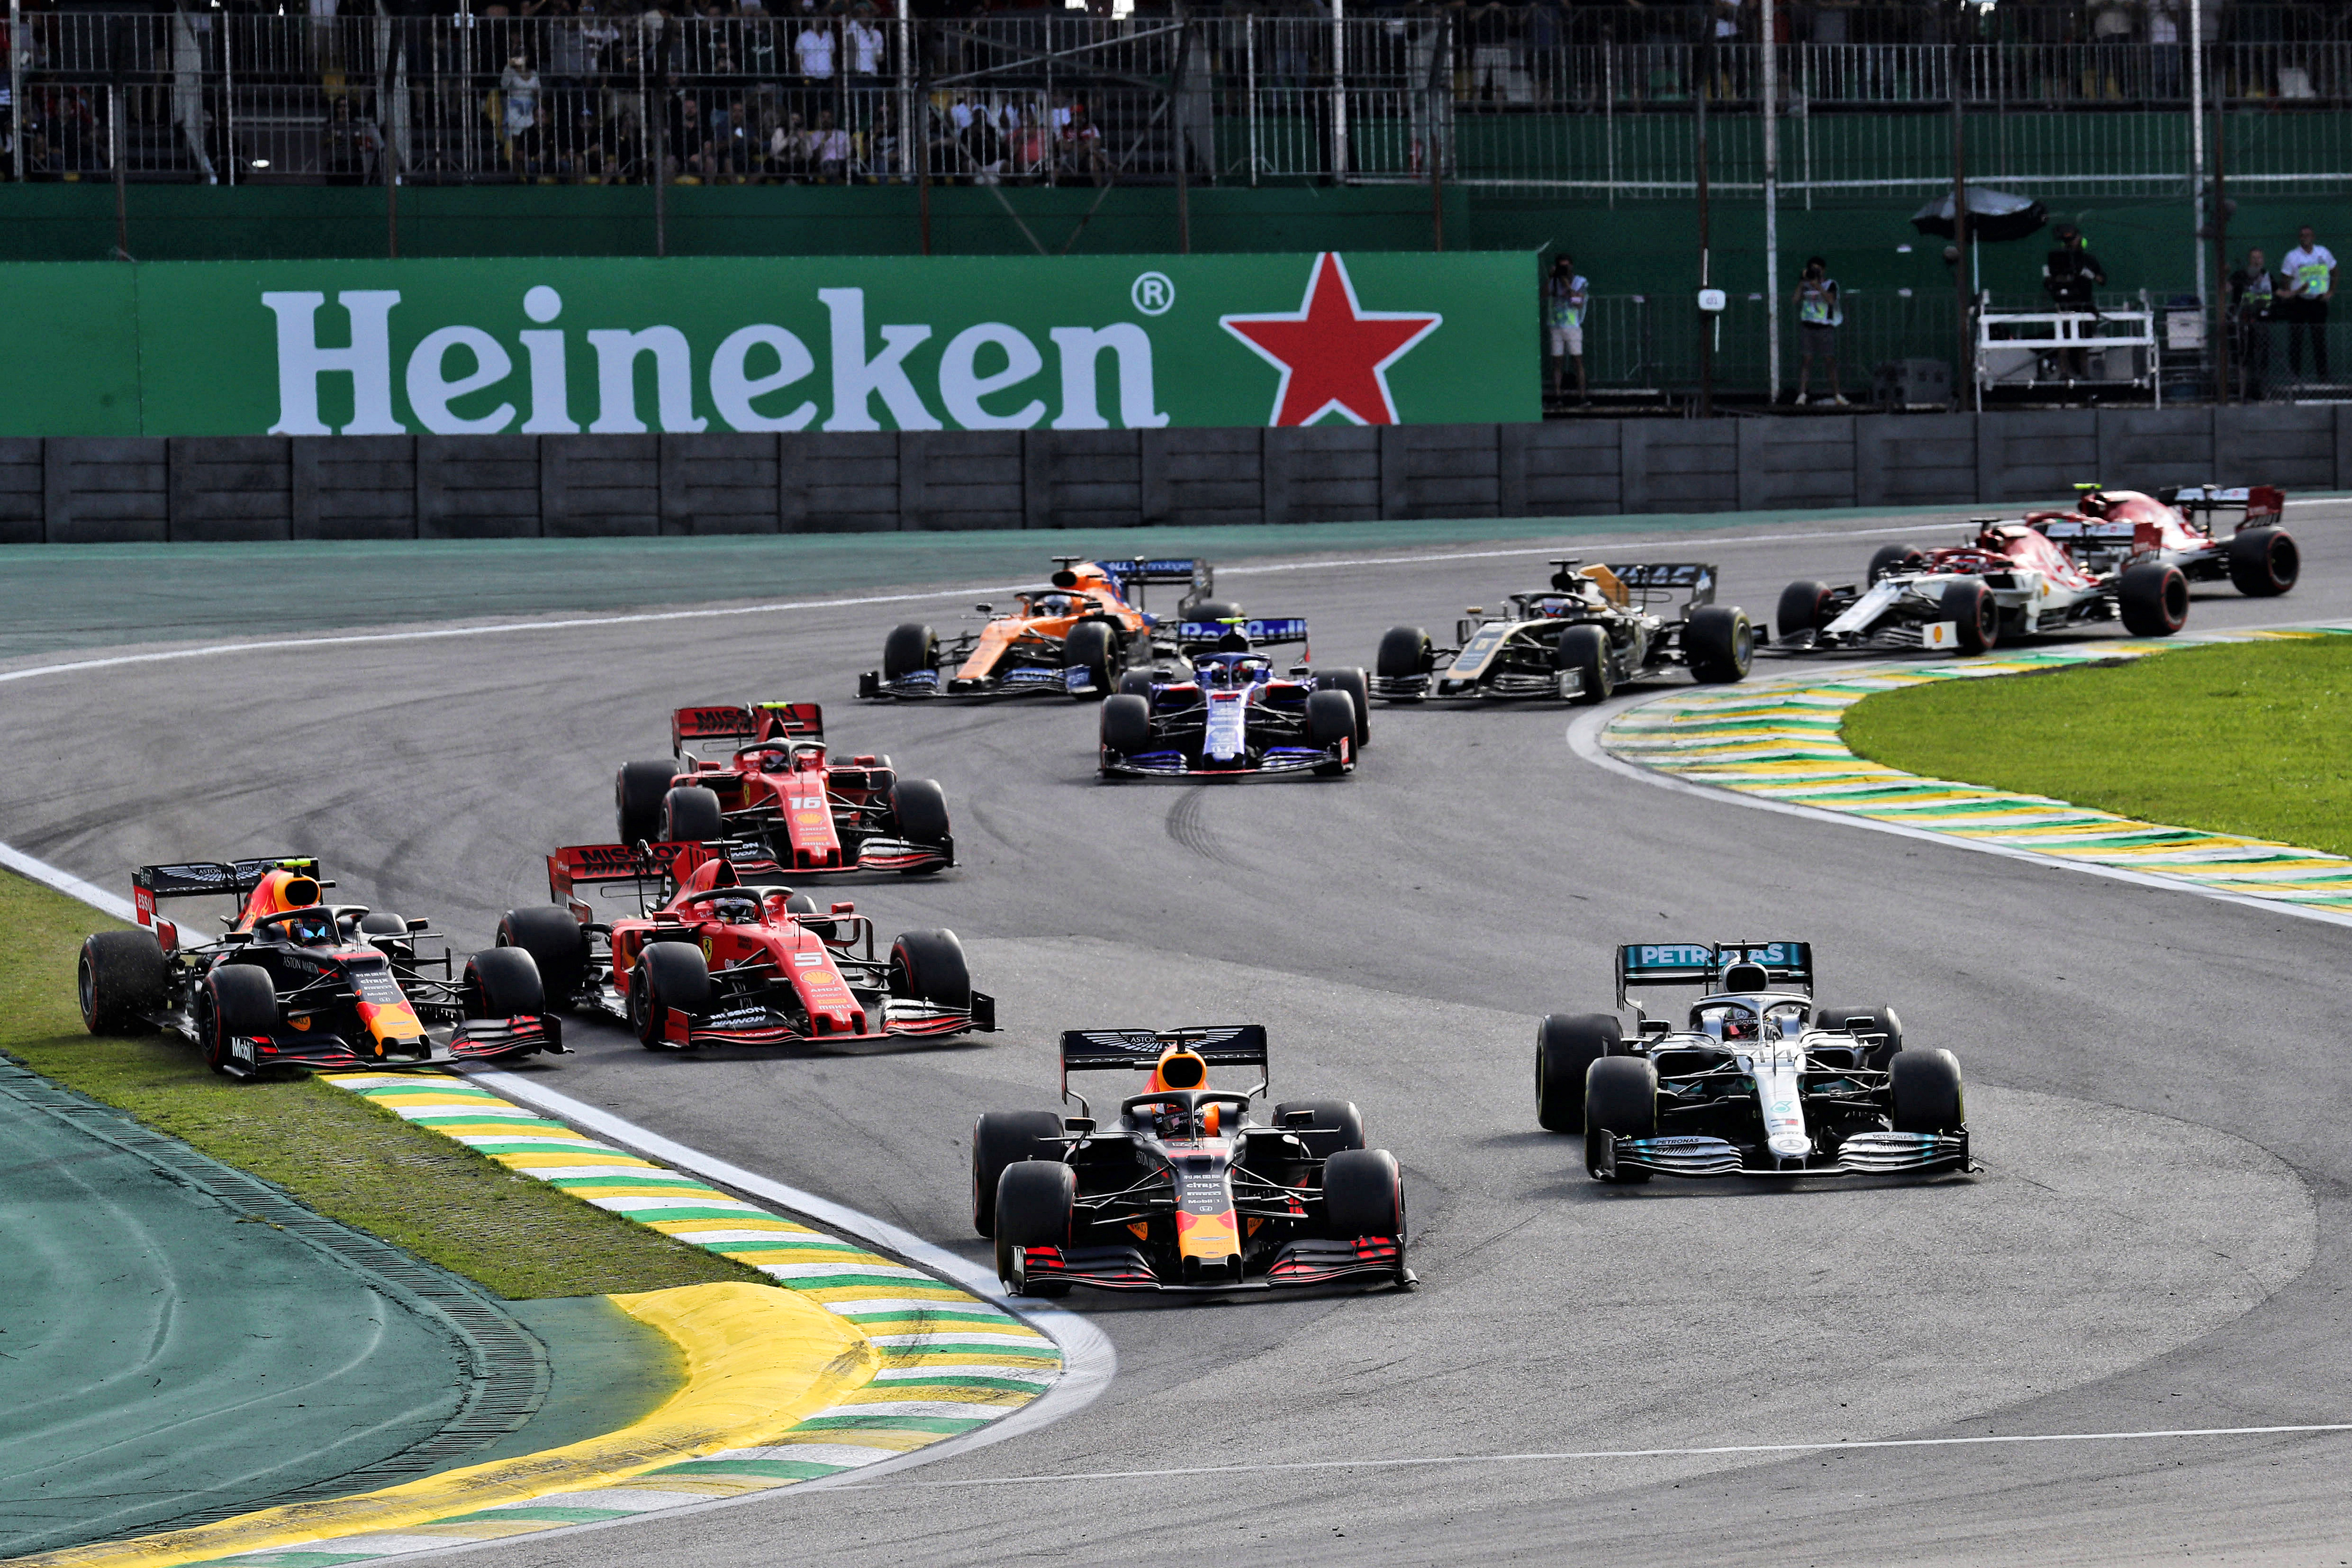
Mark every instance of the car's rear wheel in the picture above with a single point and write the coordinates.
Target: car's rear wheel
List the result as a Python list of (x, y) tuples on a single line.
[(1094, 648), (1621, 1097), (2263, 561), (1719, 643), (1212, 610), (668, 976), (1135, 683), (236, 999), (1338, 1125), (1805, 608), (1360, 690), (1405, 652), (2153, 598), (1566, 1045), (1002, 1139), (1363, 1194), (929, 966), (123, 977), (691, 815), (1889, 558), (557, 943), (503, 983), (1037, 1202), (638, 792), (1969, 605), (1584, 647), (1927, 1092), (919, 807), (907, 649)]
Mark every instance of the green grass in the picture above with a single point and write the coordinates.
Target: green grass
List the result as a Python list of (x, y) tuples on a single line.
[(331, 1149), (2245, 738)]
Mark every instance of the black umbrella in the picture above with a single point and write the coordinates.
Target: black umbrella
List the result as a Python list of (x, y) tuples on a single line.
[(1993, 216)]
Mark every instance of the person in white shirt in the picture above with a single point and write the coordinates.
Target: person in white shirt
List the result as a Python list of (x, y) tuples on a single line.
[(865, 44), (2308, 272), (814, 48)]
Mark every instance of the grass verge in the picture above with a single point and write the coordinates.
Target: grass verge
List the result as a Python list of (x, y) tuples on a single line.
[(2241, 738), (333, 1150)]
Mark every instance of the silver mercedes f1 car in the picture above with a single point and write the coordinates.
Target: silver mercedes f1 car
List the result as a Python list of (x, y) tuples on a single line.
[(1761, 1080)]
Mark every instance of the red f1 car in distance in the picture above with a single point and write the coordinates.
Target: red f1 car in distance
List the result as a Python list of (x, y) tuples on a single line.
[(708, 960), (780, 788), (1183, 1191), (293, 983), (2258, 557)]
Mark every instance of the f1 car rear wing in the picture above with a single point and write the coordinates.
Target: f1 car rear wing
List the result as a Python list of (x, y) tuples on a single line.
[(1702, 963), (211, 878), (653, 868), (759, 721), (1646, 583), (1196, 573), (1217, 1044), (2264, 503), (1192, 635)]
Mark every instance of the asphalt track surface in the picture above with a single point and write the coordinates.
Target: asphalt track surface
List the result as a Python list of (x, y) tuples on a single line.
[(2160, 1243)]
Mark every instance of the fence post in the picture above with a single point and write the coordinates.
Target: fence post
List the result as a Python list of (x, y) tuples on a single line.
[(908, 138), (229, 99), (1771, 206), (16, 85), (1339, 92), (1249, 68), (2197, 148)]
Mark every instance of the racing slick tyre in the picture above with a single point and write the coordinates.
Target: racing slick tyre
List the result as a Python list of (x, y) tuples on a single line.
[(1363, 1194), (1343, 1124), (1126, 725), (919, 807), (1927, 1092), (1882, 1021), (1001, 1138), (691, 815), (235, 999), (1405, 652), (929, 966), (2154, 599), (1566, 1045), (1585, 648), (637, 791), (121, 978), (557, 943), (503, 983), (1036, 1202), (1353, 683), (1969, 605), (669, 974), (1621, 1097), (1888, 559), (908, 648), (1805, 608), (1212, 610), (1331, 722), (1718, 644), (1094, 648), (2263, 561), (1135, 683)]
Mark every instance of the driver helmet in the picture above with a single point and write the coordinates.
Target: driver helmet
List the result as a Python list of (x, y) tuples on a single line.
[(737, 909), (313, 926), (1056, 605), (1173, 1121), (1730, 1024)]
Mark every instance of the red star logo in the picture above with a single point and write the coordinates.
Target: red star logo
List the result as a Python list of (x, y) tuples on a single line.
[(1332, 353)]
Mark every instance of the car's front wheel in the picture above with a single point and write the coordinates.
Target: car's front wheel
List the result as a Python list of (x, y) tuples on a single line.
[(1621, 1097), (1036, 1203)]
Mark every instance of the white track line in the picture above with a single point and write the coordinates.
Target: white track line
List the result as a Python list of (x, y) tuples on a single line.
[(1572, 1456)]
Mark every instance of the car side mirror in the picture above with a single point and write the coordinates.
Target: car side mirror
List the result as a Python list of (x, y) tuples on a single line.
[(417, 925), (1079, 1125), (985, 609), (844, 909), (1297, 1119)]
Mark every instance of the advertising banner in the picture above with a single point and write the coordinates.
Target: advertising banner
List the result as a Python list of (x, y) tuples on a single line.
[(604, 345)]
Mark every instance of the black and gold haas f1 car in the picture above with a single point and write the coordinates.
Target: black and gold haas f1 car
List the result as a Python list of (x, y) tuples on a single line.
[(293, 983), (1182, 1190)]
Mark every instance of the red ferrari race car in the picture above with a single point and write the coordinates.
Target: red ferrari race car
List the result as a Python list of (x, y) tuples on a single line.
[(779, 791), (2258, 557), (2008, 580), (293, 983), (1182, 1190), (708, 960)]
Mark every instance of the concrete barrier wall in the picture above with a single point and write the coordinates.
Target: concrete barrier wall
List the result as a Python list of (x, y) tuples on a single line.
[(89, 490)]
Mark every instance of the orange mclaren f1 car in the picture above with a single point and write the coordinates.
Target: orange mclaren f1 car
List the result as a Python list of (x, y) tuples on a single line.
[(1074, 636), (293, 983), (708, 960), (779, 795), (1183, 1190)]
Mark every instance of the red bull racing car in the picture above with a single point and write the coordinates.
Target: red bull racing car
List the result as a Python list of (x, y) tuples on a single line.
[(294, 983), (1183, 1190), (709, 961), (778, 788)]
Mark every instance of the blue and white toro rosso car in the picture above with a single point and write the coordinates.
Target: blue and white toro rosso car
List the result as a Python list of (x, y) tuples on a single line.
[(1761, 1080), (1222, 711)]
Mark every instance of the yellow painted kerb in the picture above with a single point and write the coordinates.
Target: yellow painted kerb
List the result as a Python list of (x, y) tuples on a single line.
[(759, 1361)]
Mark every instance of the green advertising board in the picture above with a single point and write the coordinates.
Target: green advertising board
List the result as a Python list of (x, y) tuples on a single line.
[(522, 346)]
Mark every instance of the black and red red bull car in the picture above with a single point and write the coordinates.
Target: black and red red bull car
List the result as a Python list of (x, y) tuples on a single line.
[(1182, 1190), (779, 787), (710, 960), (295, 983)]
